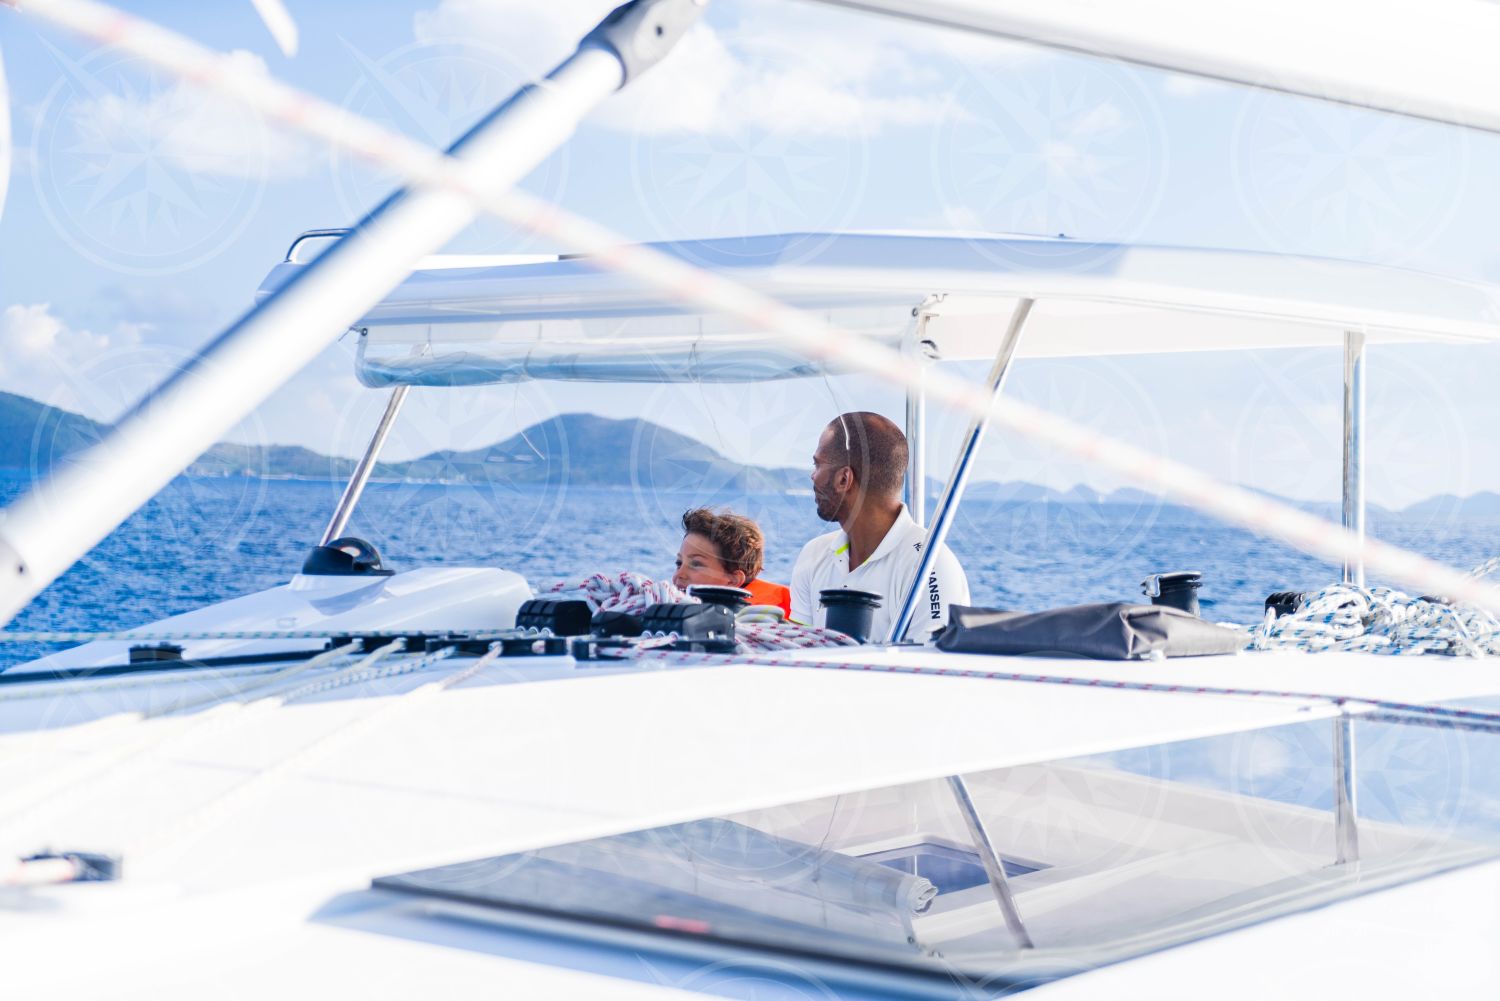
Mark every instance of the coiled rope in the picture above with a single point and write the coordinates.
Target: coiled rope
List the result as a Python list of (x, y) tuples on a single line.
[(1382, 620)]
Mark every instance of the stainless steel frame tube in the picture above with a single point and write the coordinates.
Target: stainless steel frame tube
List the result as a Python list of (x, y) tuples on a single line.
[(994, 867), (916, 433), (1345, 804), (953, 492), (1354, 448), (361, 475)]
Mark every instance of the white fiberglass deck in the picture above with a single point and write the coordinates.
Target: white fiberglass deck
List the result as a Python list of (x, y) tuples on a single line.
[(276, 810), (469, 772)]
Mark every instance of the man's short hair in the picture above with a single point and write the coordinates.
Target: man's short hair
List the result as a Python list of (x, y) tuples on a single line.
[(874, 447), (736, 539)]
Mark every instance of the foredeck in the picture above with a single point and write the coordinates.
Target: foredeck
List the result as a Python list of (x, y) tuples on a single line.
[(284, 797)]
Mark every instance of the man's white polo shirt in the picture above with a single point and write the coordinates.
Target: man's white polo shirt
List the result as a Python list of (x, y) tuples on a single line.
[(824, 563)]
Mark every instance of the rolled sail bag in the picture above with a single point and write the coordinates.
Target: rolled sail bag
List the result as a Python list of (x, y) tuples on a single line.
[(1114, 631)]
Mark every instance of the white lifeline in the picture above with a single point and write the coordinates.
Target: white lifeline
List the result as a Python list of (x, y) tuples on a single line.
[(824, 563)]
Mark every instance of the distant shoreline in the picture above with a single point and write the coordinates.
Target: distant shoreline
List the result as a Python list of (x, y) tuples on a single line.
[(984, 497), (581, 450)]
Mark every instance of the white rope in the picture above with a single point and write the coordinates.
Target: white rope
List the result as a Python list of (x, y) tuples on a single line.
[(19, 798), (365, 673), (260, 686), (1382, 620), (147, 851), (57, 787), (178, 636), (64, 688), (254, 684), (818, 341)]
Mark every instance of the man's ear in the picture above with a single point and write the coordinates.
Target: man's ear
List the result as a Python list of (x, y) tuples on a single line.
[(740, 578)]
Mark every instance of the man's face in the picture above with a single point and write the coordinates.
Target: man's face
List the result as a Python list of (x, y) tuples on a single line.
[(831, 479)]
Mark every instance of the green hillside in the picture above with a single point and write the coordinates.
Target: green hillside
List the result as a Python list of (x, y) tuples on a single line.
[(590, 450), (34, 435), (582, 449)]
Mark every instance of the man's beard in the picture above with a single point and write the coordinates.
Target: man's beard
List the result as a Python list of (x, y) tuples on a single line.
[(828, 506)]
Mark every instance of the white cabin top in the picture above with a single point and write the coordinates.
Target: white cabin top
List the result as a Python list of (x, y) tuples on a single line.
[(564, 319)]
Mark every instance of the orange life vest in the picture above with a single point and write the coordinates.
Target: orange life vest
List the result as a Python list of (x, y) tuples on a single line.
[(763, 592)]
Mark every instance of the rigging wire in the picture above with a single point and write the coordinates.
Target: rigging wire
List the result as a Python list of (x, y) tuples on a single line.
[(680, 281), (515, 420), (1453, 717), (53, 689), (5, 139), (176, 832), (177, 636), (52, 790), (278, 21), (176, 835)]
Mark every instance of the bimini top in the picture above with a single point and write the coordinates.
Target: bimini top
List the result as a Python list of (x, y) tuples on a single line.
[(564, 319)]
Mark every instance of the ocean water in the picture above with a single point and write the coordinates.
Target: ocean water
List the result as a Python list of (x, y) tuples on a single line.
[(203, 540)]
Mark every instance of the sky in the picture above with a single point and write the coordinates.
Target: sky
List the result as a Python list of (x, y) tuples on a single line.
[(142, 215)]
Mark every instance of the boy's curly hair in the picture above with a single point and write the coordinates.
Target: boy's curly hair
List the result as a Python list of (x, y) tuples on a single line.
[(737, 539)]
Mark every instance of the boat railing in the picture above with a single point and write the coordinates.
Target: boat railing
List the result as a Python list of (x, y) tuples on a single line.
[(309, 235)]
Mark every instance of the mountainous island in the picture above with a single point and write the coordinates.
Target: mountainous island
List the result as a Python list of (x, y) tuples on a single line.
[(581, 449)]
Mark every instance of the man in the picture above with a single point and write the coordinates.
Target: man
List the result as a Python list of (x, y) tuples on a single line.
[(858, 471)]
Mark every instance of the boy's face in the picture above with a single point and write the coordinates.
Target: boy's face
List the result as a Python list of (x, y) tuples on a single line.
[(699, 563)]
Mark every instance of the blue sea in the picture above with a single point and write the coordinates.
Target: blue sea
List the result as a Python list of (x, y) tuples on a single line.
[(203, 540)]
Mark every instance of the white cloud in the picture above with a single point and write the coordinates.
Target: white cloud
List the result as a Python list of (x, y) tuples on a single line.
[(193, 130), (45, 358), (30, 332), (781, 68)]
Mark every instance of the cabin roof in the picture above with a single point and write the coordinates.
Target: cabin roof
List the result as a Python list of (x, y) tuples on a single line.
[(566, 319)]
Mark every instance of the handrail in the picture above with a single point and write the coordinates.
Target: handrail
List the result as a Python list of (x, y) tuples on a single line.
[(313, 234)]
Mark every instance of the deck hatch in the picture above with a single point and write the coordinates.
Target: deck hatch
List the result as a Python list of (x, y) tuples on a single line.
[(1107, 857)]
